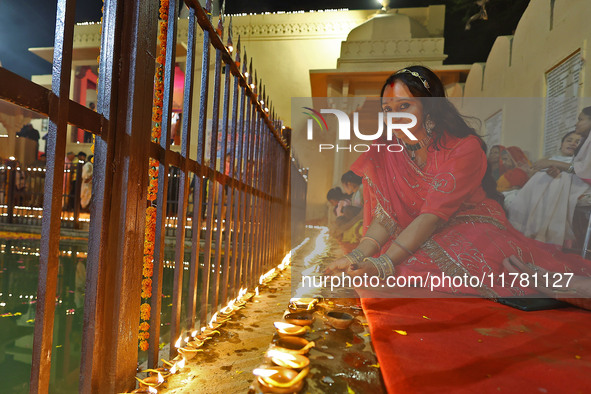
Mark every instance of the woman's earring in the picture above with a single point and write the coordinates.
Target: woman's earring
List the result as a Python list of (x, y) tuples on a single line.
[(429, 125)]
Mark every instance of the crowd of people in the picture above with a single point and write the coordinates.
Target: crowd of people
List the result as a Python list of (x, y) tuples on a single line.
[(540, 198)]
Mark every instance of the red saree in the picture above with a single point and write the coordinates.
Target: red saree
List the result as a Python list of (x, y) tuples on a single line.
[(476, 236)]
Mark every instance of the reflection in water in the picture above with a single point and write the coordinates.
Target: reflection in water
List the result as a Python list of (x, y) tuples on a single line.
[(19, 272)]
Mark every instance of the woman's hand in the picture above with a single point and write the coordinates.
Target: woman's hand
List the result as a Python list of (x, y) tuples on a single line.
[(554, 172), (344, 265), (339, 265)]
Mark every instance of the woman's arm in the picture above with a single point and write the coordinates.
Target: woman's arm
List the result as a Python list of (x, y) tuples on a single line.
[(545, 163), (411, 238)]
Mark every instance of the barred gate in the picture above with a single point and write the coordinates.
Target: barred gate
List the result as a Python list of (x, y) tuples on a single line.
[(235, 217)]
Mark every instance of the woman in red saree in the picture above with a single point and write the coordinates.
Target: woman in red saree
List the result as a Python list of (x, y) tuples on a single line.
[(514, 166), (433, 208)]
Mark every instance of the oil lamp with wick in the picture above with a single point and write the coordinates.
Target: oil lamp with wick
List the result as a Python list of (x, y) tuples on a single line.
[(288, 360), (293, 345), (280, 379), (170, 368), (188, 352), (303, 303), (287, 329), (151, 381)]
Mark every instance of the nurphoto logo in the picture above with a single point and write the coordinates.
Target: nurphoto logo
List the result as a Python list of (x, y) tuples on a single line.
[(393, 121)]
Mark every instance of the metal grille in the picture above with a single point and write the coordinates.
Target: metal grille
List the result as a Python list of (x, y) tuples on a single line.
[(236, 216)]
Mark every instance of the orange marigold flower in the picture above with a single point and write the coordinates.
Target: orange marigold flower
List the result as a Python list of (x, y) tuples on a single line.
[(144, 326), (147, 272), (147, 283), (144, 346)]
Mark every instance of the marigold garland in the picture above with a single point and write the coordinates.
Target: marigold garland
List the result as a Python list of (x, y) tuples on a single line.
[(153, 172)]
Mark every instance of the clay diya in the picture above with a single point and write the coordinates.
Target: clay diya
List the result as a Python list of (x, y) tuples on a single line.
[(302, 303), (168, 369), (280, 380), (339, 320), (190, 350), (299, 318), (287, 329), (288, 360), (151, 381), (293, 345)]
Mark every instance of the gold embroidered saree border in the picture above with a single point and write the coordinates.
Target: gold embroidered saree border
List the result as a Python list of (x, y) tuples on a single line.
[(451, 267)]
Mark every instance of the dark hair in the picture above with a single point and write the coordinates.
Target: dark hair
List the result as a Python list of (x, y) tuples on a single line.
[(81, 153), (443, 113), (351, 177), (565, 137), (336, 194), (587, 112)]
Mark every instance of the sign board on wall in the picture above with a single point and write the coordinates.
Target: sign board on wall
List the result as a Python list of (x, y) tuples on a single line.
[(494, 128), (562, 90)]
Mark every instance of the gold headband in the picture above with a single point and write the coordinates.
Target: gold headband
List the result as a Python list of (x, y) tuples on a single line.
[(416, 75)]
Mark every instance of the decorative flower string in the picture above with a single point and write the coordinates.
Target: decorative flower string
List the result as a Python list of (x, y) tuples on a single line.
[(150, 232)]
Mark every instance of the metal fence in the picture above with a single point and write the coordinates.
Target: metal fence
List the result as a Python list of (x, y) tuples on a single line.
[(236, 217)]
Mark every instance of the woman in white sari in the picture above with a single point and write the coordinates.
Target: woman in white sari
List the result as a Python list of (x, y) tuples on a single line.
[(543, 209)]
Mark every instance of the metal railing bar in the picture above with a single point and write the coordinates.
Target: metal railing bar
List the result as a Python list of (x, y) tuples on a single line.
[(163, 169), (233, 193), (217, 43), (212, 186), (50, 229), (27, 94)]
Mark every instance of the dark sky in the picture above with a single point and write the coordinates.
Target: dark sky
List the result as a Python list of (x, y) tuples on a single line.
[(31, 23)]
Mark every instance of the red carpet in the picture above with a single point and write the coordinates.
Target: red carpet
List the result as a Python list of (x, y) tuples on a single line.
[(479, 346)]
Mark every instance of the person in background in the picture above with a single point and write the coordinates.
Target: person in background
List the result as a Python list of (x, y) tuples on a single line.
[(338, 200), (81, 157), (543, 209), (494, 157), (86, 188), (514, 167), (352, 183)]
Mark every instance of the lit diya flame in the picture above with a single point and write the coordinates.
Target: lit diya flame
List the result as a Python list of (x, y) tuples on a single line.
[(288, 360), (267, 277), (178, 366), (177, 344), (289, 329)]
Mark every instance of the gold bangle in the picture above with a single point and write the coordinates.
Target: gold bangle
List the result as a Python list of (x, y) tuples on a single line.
[(407, 250), (376, 243)]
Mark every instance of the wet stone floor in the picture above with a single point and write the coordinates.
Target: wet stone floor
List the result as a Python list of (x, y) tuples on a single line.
[(342, 361)]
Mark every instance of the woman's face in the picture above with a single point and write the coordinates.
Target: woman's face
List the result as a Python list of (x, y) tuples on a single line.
[(398, 98), (583, 125), (570, 144), (493, 155), (507, 160)]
